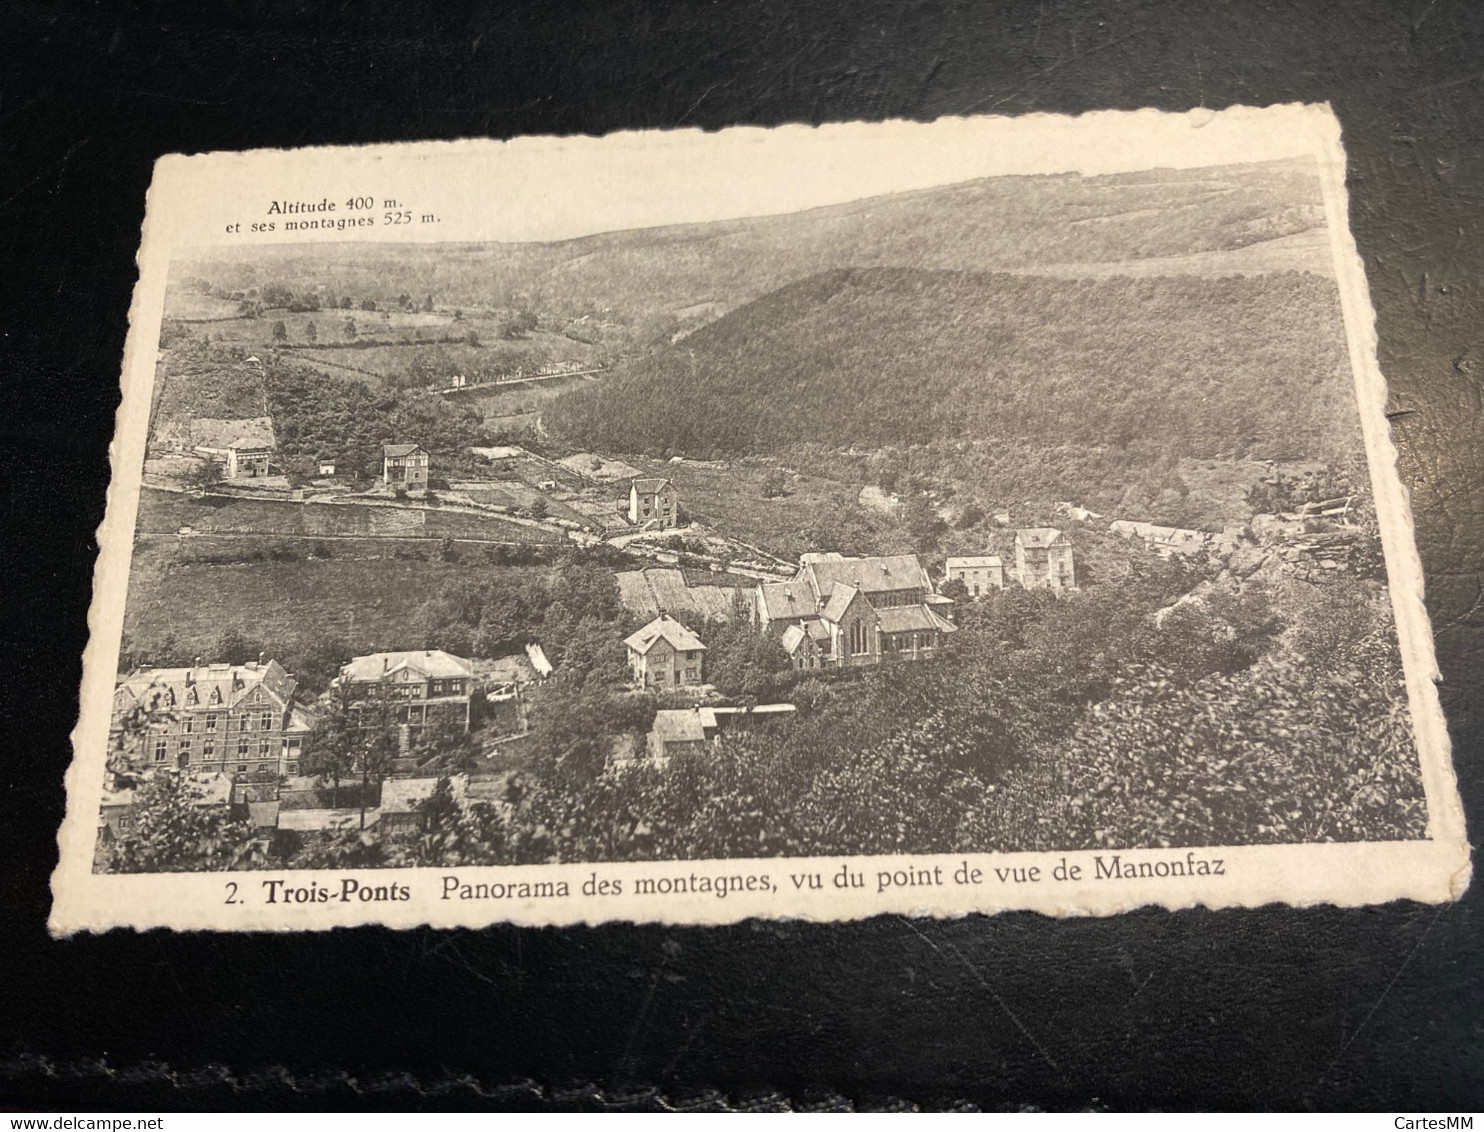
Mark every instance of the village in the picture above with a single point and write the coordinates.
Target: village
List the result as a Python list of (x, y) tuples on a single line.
[(243, 735)]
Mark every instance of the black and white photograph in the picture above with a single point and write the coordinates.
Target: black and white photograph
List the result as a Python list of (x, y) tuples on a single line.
[(1011, 514)]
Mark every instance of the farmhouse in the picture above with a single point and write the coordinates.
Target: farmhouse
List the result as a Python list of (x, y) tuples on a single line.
[(409, 690), (653, 501), (847, 612), (1043, 559), (234, 719), (404, 465), (665, 654), (977, 572), (244, 447)]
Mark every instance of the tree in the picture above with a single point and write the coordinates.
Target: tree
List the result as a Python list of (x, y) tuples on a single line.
[(280, 331), (428, 303), (311, 332), (924, 525), (954, 588), (329, 751), (744, 663), (519, 325), (538, 508), (208, 472), (176, 830), (774, 484), (350, 329), (368, 304)]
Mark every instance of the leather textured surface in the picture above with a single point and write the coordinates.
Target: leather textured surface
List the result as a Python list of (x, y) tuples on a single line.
[(1278, 1007)]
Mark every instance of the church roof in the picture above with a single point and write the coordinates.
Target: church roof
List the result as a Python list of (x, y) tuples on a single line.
[(840, 599), (782, 600), (878, 574)]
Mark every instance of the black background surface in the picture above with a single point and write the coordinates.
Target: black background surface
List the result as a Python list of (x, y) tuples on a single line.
[(1279, 1008)]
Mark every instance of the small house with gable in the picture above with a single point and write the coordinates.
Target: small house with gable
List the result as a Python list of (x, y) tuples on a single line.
[(404, 466), (665, 654), (1043, 559), (653, 501), (680, 731)]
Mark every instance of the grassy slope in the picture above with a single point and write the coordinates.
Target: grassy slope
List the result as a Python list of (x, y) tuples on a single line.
[(366, 603)]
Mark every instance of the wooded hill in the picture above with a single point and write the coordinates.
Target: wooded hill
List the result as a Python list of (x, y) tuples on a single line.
[(1189, 367)]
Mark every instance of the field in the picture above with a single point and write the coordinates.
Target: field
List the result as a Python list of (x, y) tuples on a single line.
[(368, 604)]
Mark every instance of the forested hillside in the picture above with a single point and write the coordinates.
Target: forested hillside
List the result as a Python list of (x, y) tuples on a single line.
[(1203, 368)]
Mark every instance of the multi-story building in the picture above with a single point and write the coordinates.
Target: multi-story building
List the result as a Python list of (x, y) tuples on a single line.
[(1043, 559), (404, 466), (653, 501), (845, 612), (665, 654), (978, 572), (408, 690), (233, 719)]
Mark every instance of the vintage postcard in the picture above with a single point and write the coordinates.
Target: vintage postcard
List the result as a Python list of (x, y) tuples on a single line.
[(812, 522)]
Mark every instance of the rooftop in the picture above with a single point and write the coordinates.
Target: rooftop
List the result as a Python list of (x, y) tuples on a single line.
[(869, 575), (649, 485), (435, 664), (664, 628), (1037, 538), (214, 685), (973, 562), (400, 449), (840, 599), (788, 599), (682, 725)]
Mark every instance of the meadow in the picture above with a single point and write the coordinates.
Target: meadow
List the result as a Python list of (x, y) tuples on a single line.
[(366, 604)]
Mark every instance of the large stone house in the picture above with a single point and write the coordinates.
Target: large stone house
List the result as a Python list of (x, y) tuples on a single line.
[(1043, 559), (665, 654), (978, 572), (241, 459), (408, 690), (243, 447), (233, 719), (844, 612), (405, 466), (653, 501)]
